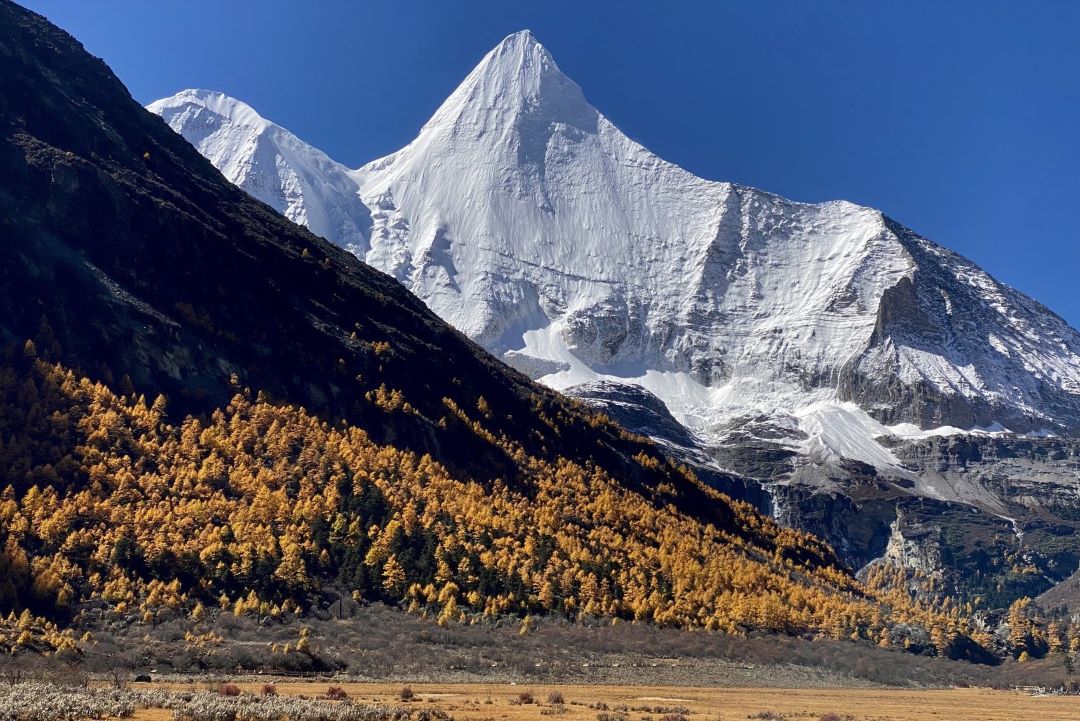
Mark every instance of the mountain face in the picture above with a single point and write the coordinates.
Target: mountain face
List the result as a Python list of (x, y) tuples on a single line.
[(523, 217), (817, 349)]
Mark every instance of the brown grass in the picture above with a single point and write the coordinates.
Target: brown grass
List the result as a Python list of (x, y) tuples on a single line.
[(468, 702)]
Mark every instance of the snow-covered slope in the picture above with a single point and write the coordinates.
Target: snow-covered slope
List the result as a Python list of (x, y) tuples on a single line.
[(271, 164), (521, 215)]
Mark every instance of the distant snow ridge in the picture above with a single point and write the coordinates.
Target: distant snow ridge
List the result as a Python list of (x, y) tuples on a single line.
[(522, 216), (271, 164)]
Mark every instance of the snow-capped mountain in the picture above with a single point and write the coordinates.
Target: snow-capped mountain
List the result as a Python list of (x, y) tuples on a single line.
[(525, 218)]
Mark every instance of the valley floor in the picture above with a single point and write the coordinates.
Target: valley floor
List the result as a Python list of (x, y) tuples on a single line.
[(503, 702), (380, 644)]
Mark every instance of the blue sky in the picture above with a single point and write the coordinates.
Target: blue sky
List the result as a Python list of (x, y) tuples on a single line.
[(958, 119)]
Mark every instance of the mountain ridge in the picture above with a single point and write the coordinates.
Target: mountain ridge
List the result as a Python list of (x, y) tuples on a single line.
[(529, 222)]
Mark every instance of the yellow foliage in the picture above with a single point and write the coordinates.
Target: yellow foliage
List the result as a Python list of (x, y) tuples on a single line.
[(265, 496)]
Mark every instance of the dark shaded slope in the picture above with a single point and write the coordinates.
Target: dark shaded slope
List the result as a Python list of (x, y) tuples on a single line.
[(143, 260)]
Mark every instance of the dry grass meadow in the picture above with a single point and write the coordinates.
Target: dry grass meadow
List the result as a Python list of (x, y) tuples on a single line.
[(507, 702)]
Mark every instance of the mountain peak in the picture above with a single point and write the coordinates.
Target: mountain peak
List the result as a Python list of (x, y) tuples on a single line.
[(519, 49), (523, 37), (237, 111), (517, 77), (270, 163)]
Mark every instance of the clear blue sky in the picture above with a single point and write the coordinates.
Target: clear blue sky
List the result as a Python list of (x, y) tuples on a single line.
[(959, 119)]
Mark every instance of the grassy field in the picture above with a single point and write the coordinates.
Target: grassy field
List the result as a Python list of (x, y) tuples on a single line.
[(490, 702)]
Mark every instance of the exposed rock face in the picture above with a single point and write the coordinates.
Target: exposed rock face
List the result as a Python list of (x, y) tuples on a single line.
[(1026, 492), (995, 517), (858, 530), (1015, 358), (641, 412)]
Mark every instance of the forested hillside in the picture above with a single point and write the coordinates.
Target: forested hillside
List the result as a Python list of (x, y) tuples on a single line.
[(258, 506)]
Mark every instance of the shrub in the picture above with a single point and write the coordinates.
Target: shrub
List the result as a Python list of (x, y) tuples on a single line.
[(406, 694), (556, 697), (674, 717), (611, 716), (269, 689), (431, 714), (336, 693), (664, 710), (525, 697), (229, 689)]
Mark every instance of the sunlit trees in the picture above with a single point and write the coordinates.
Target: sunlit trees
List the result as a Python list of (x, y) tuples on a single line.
[(102, 497)]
